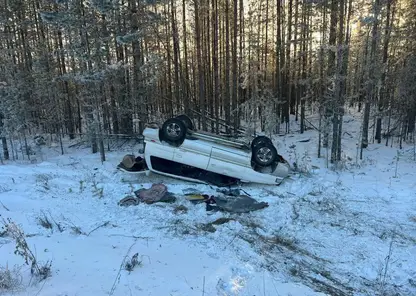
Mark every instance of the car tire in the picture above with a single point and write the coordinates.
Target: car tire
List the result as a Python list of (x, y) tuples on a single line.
[(260, 140), (186, 120), (174, 131), (264, 154)]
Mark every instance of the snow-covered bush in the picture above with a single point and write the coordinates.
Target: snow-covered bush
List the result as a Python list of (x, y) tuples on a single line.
[(302, 163), (10, 279), (40, 271)]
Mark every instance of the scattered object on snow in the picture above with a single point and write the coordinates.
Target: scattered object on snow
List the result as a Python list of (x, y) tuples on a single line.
[(222, 220), (191, 190), (210, 227), (229, 191), (156, 193), (231, 201), (128, 201), (236, 204), (197, 197), (232, 192), (130, 163)]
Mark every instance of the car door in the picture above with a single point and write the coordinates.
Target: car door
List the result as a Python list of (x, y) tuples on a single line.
[(195, 153), (228, 161)]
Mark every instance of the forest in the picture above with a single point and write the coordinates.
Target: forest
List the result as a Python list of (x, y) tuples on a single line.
[(103, 68)]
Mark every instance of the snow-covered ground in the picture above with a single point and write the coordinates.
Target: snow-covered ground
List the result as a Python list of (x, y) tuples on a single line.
[(350, 231)]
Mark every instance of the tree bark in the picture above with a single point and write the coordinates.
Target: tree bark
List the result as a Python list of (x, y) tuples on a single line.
[(5, 148), (186, 79), (176, 54), (201, 78), (280, 58), (371, 83), (234, 67), (215, 69), (384, 94)]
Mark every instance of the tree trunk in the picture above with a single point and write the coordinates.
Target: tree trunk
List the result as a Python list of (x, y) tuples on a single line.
[(288, 83), (385, 90), (69, 118), (241, 90), (342, 66), (323, 130), (304, 57), (234, 68), (344, 73), (227, 66), (329, 104), (295, 66), (168, 76), (215, 69), (201, 78), (185, 81), (371, 83), (279, 65), (5, 149), (175, 36)]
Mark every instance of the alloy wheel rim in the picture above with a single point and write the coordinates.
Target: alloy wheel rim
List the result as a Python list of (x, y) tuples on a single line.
[(173, 130), (264, 154)]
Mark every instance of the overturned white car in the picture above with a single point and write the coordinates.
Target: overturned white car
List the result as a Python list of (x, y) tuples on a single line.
[(177, 150)]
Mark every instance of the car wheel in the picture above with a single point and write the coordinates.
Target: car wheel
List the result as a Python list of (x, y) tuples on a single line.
[(260, 140), (264, 154), (174, 130), (186, 120)]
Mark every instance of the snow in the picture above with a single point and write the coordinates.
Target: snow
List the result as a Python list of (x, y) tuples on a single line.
[(324, 228)]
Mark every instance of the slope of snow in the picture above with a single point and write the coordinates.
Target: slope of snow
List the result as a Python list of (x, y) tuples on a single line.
[(350, 231)]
